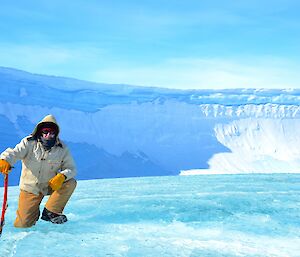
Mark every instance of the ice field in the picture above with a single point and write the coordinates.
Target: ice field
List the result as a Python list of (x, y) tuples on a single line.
[(199, 216)]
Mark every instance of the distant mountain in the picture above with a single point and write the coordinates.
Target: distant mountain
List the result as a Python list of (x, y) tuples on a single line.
[(123, 130)]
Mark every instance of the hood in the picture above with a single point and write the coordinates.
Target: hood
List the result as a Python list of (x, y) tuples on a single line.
[(47, 120)]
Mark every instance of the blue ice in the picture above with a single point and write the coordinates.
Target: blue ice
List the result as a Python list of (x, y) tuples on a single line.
[(199, 216)]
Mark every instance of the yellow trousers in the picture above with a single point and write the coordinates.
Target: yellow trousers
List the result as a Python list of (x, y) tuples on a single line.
[(29, 204)]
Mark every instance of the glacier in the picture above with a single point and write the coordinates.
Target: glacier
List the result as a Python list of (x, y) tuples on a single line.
[(243, 142), (128, 131), (210, 215)]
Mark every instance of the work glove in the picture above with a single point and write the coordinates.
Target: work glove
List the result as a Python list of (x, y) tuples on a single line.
[(5, 167), (56, 182)]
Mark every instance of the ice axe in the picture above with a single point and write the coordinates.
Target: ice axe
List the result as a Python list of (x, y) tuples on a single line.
[(4, 205)]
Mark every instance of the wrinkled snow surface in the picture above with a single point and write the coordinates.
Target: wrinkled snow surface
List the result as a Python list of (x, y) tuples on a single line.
[(209, 215)]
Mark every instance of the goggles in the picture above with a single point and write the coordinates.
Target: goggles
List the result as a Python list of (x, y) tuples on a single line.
[(50, 131)]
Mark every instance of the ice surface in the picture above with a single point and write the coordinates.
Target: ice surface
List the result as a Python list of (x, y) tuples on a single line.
[(199, 216)]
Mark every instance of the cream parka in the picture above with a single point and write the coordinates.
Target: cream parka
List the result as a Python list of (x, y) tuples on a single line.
[(38, 164)]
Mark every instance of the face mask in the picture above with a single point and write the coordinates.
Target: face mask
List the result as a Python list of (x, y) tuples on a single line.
[(48, 142)]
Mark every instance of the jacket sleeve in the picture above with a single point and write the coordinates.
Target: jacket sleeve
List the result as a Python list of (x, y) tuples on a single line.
[(68, 167), (17, 153)]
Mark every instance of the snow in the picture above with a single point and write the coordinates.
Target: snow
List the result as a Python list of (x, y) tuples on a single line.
[(256, 146), (220, 215)]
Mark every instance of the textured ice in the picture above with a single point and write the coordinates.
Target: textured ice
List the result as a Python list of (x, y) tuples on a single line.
[(199, 216)]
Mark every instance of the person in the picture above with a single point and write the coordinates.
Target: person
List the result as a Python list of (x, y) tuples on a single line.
[(47, 169)]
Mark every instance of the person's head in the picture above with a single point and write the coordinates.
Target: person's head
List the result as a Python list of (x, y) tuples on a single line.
[(47, 131), (47, 134), (48, 122)]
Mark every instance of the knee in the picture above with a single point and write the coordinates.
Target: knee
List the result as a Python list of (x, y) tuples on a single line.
[(20, 224), (71, 184), (26, 221)]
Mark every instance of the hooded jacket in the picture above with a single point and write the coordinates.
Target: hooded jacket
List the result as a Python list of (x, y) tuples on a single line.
[(40, 165)]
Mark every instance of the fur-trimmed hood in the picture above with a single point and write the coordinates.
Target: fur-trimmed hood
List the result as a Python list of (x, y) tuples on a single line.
[(47, 120)]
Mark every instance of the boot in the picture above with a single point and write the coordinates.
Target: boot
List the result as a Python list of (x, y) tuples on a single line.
[(53, 217)]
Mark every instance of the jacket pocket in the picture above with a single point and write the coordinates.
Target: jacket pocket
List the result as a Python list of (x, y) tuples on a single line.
[(53, 165)]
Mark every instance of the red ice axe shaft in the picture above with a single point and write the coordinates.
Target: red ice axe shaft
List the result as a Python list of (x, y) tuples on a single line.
[(4, 205)]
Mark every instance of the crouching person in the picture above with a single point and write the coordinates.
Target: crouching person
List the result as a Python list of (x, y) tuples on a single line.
[(47, 169)]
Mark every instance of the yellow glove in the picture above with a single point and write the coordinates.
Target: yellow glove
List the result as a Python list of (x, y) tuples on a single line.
[(5, 167), (56, 182)]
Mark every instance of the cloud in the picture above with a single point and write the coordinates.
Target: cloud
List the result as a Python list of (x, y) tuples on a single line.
[(189, 73), (95, 64), (33, 56), (50, 59)]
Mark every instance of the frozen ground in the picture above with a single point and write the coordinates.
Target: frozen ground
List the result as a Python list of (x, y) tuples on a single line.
[(209, 215)]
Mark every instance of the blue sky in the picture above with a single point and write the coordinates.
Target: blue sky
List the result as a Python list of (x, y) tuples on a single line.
[(165, 43)]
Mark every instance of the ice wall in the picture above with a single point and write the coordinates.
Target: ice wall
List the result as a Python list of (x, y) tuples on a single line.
[(120, 131), (258, 145), (261, 139)]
